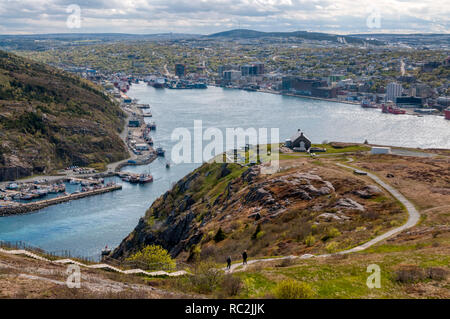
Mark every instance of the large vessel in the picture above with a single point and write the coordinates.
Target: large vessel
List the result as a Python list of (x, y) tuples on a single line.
[(368, 104), (391, 109), (159, 83)]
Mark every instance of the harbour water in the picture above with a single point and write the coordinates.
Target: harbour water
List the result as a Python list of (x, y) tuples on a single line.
[(85, 226)]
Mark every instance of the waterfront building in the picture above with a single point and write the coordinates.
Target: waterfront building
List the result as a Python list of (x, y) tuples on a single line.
[(393, 90), (223, 68), (231, 75), (408, 101), (310, 87), (253, 69)]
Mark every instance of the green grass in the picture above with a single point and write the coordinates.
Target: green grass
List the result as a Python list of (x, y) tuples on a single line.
[(345, 278)]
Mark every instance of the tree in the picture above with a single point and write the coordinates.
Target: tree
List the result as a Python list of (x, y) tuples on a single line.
[(153, 257)]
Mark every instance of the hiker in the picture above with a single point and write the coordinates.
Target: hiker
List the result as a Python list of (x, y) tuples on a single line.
[(244, 257), (228, 262)]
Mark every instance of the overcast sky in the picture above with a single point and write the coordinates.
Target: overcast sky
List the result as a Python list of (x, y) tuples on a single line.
[(209, 16)]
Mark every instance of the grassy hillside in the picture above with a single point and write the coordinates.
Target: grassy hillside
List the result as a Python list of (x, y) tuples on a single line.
[(223, 209), (50, 119)]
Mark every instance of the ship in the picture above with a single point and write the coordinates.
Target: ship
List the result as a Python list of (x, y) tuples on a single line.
[(159, 83), (392, 110), (151, 126), (160, 151), (145, 178), (368, 104)]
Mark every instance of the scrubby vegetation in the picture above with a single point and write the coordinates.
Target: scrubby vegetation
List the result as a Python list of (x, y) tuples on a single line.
[(220, 210), (50, 119), (153, 257)]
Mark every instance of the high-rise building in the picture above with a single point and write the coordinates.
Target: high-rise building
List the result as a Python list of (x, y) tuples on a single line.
[(231, 75), (253, 69), (393, 90), (180, 70), (223, 68)]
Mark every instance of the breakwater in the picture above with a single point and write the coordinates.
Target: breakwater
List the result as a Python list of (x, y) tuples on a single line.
[(29, 207)]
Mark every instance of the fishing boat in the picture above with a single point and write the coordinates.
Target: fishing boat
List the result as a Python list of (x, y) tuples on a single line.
[(12, 186), (160, 151), (392, 110), (145, 178), (151, 126)]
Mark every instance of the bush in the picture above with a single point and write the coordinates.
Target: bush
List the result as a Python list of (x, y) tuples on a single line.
[(333, 232), (286, 262), (194, 253), (206, 277), (310, 240), (231, 285), (153, 257), (220, 235), (436, 273), (409, 274), (292, 289), (332, 247), (257, 231)]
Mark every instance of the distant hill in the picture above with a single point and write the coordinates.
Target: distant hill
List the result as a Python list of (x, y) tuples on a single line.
[(50, 119), (252, 34)]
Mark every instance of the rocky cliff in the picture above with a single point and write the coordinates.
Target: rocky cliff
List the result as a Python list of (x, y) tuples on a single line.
[(222, 209)]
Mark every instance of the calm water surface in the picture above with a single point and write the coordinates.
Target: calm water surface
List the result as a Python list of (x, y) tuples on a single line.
[(85, 226)]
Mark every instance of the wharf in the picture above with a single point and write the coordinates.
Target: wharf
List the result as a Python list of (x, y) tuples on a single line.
[(29, 207)]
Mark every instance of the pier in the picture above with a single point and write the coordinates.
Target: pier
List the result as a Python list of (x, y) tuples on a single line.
[(29, 207)]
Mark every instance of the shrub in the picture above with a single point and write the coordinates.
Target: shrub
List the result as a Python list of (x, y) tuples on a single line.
[(292, 289), (257, 231), (220, 235), (436, 273), (194, 253), (333, 232), (332, 247), (310, 240), (206, 277), (153, 257), (286, 262), (231, 285), (409, 273)]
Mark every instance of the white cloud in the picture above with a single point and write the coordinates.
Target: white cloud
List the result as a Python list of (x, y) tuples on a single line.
[(208, 16)]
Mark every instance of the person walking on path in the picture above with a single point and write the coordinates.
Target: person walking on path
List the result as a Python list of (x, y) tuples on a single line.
[(228, 262), (244, 257)]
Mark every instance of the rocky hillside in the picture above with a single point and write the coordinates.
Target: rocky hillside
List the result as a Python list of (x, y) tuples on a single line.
[(50, 119), (222, 209)]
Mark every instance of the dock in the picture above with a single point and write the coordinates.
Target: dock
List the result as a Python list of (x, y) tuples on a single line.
[(29, 207)]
